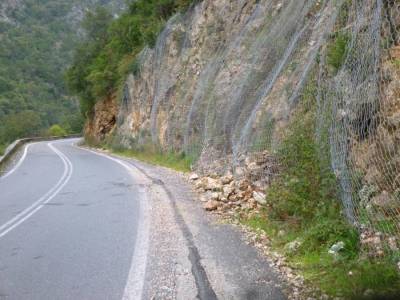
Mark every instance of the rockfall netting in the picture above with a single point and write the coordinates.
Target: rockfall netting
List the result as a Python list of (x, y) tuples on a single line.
[(362, 99), (222, 84)]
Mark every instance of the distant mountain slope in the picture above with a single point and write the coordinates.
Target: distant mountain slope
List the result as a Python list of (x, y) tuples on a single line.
[(36, 42)]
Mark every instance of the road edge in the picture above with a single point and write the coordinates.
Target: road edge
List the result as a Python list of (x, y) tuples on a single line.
[(13, 149)]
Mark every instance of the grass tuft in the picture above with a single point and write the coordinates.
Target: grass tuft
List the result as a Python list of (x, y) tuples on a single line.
[(177, 162), (337, 51)]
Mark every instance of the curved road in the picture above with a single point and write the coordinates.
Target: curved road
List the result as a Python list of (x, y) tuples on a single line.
[(68, 225), (77, 224)]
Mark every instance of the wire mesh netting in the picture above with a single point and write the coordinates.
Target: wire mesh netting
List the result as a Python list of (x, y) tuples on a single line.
[(363, 97), (226, 100)]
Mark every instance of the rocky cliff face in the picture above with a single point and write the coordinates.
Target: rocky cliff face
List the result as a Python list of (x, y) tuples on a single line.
[(223, 74), (223, 80), (104, 119)]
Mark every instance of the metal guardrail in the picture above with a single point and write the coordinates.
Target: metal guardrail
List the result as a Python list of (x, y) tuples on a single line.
[(18, 144)]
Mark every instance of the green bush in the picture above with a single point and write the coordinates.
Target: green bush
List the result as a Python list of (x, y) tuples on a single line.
[(18, 125), (337, 50), (306, 188), (56, 130)]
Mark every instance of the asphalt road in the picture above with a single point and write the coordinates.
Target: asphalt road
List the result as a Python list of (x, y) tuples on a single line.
[(68, 225), (78, 224)]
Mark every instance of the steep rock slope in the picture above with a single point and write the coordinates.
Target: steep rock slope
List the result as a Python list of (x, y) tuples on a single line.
[(222, 74), (225, 79)]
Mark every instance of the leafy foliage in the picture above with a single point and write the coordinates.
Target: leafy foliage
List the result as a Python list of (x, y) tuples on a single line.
[(102, 61), (56, 130), (24, 123), (306, 189), (337, 51)]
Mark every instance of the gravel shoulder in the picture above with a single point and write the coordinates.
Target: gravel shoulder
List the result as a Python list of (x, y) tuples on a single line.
[(194, 254)]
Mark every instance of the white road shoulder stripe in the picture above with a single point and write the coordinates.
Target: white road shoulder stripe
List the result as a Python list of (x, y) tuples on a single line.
[(137, 273), (37, 205)]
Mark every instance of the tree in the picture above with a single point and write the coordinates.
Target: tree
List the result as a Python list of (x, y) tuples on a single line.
[(23, 124), (56, 130)]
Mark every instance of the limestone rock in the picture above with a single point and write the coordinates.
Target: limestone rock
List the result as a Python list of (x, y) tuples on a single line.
[(215, 196), (227, 191), (392, 242), (394, 120), (243, 185), (293, 246), (239, 171), (208, 184), (194, 177), (212, 184), (384, 200), (227, 179), (253, 166), (199, 185), (260, 197), (336, 248), (211, 205)]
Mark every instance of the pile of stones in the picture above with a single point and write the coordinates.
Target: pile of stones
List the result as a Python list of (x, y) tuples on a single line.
[(240, 188)]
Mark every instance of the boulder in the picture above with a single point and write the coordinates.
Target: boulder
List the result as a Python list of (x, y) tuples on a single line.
[(227, 191), (335, 248), (260, 197), (215, 196), (227, 179), (211, 205), (392, 242), (293, 246), (239, 171), (260, 185), (199, 185), (194, 177), (233, 197), (243, 185), (208, 184), (212, 184)]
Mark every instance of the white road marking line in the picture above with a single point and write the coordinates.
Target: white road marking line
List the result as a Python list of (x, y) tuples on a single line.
[(21, 160), (35, 207), (137, 272)]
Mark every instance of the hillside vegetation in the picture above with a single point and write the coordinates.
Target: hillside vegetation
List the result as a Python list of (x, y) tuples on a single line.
[(109, 52), (36, 43)]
